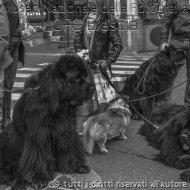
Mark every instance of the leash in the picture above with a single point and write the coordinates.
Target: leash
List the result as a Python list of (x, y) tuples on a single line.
[(160, 93), (27, 90), (143, 78), (144, 118), (126, 98), (105, 75)]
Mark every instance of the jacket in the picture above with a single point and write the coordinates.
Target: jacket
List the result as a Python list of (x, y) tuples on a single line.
[(5, 58), (177, 18), (107, 43), (11, 29)]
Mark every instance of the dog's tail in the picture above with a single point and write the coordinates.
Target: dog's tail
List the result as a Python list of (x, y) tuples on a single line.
[(88, 137)]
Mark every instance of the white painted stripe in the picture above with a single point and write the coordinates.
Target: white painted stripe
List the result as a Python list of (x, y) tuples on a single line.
[(114, 79), (125, 66), (29, 69), (23, 75), (44, 64), (15, 96), (145, 59), (18, 84), (127, 58), (123, 72), (46, 54), (131, 62)]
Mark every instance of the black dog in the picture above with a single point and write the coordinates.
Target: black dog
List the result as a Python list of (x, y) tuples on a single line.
[(172, 137), (42, 137), (152, 77)]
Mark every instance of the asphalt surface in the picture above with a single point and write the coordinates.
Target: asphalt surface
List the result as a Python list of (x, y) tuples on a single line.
[(131, 161), (129, 164)]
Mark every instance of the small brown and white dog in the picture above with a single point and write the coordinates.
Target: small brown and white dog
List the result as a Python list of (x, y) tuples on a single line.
[(105, 126)]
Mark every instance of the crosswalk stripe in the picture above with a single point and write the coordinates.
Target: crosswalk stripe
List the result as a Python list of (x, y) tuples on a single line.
[(23, 75), (125, 66), (114, 79), (122, 67), (123, 72), (43, 64), (29, 69), (126, 59), (18, 85), (129, 62), (15, 96)]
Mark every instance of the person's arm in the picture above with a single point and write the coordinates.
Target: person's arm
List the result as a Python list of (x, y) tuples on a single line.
[(167, 19), (5, 58), (79, 37), (115, 39)]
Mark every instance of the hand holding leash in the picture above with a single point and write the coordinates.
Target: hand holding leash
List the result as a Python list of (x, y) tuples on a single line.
[(103, 64), (164, 46), (84, 53)]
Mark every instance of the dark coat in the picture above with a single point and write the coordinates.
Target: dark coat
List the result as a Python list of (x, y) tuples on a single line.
[(5, 58), (107, 43), (177, 18), (11, 17)]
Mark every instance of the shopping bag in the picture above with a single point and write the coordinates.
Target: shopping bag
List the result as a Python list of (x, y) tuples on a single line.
[(105, 92)]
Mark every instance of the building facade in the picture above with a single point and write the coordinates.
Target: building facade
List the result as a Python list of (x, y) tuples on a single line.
[(139, 20)]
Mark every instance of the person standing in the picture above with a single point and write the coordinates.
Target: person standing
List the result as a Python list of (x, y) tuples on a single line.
[(99, 35), (19, 32), (176, 19), (5, 58)]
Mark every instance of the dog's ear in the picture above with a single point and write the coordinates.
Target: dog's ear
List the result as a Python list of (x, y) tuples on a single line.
[(69, 63)]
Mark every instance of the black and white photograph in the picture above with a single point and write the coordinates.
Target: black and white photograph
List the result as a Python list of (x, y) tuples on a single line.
[(94, 94)]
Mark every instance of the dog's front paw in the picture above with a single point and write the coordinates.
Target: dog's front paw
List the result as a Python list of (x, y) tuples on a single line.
[(83, 169), (185, 176), (103, 150)]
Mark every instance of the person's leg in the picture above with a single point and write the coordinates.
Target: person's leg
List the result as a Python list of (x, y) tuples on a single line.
[(9, 78), (187, 90), (1, 97)]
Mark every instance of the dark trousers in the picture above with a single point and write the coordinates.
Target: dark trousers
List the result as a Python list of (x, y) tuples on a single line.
[(9, 79), (185, 45)]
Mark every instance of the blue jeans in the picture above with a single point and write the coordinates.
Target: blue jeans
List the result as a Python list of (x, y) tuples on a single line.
[(185, 45)]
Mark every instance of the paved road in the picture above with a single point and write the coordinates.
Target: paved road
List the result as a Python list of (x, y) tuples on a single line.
[(129, 164)]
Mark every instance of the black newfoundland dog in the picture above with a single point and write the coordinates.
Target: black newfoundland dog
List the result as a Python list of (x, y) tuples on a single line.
[(152, 77), (42, 137), (172, 137)]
